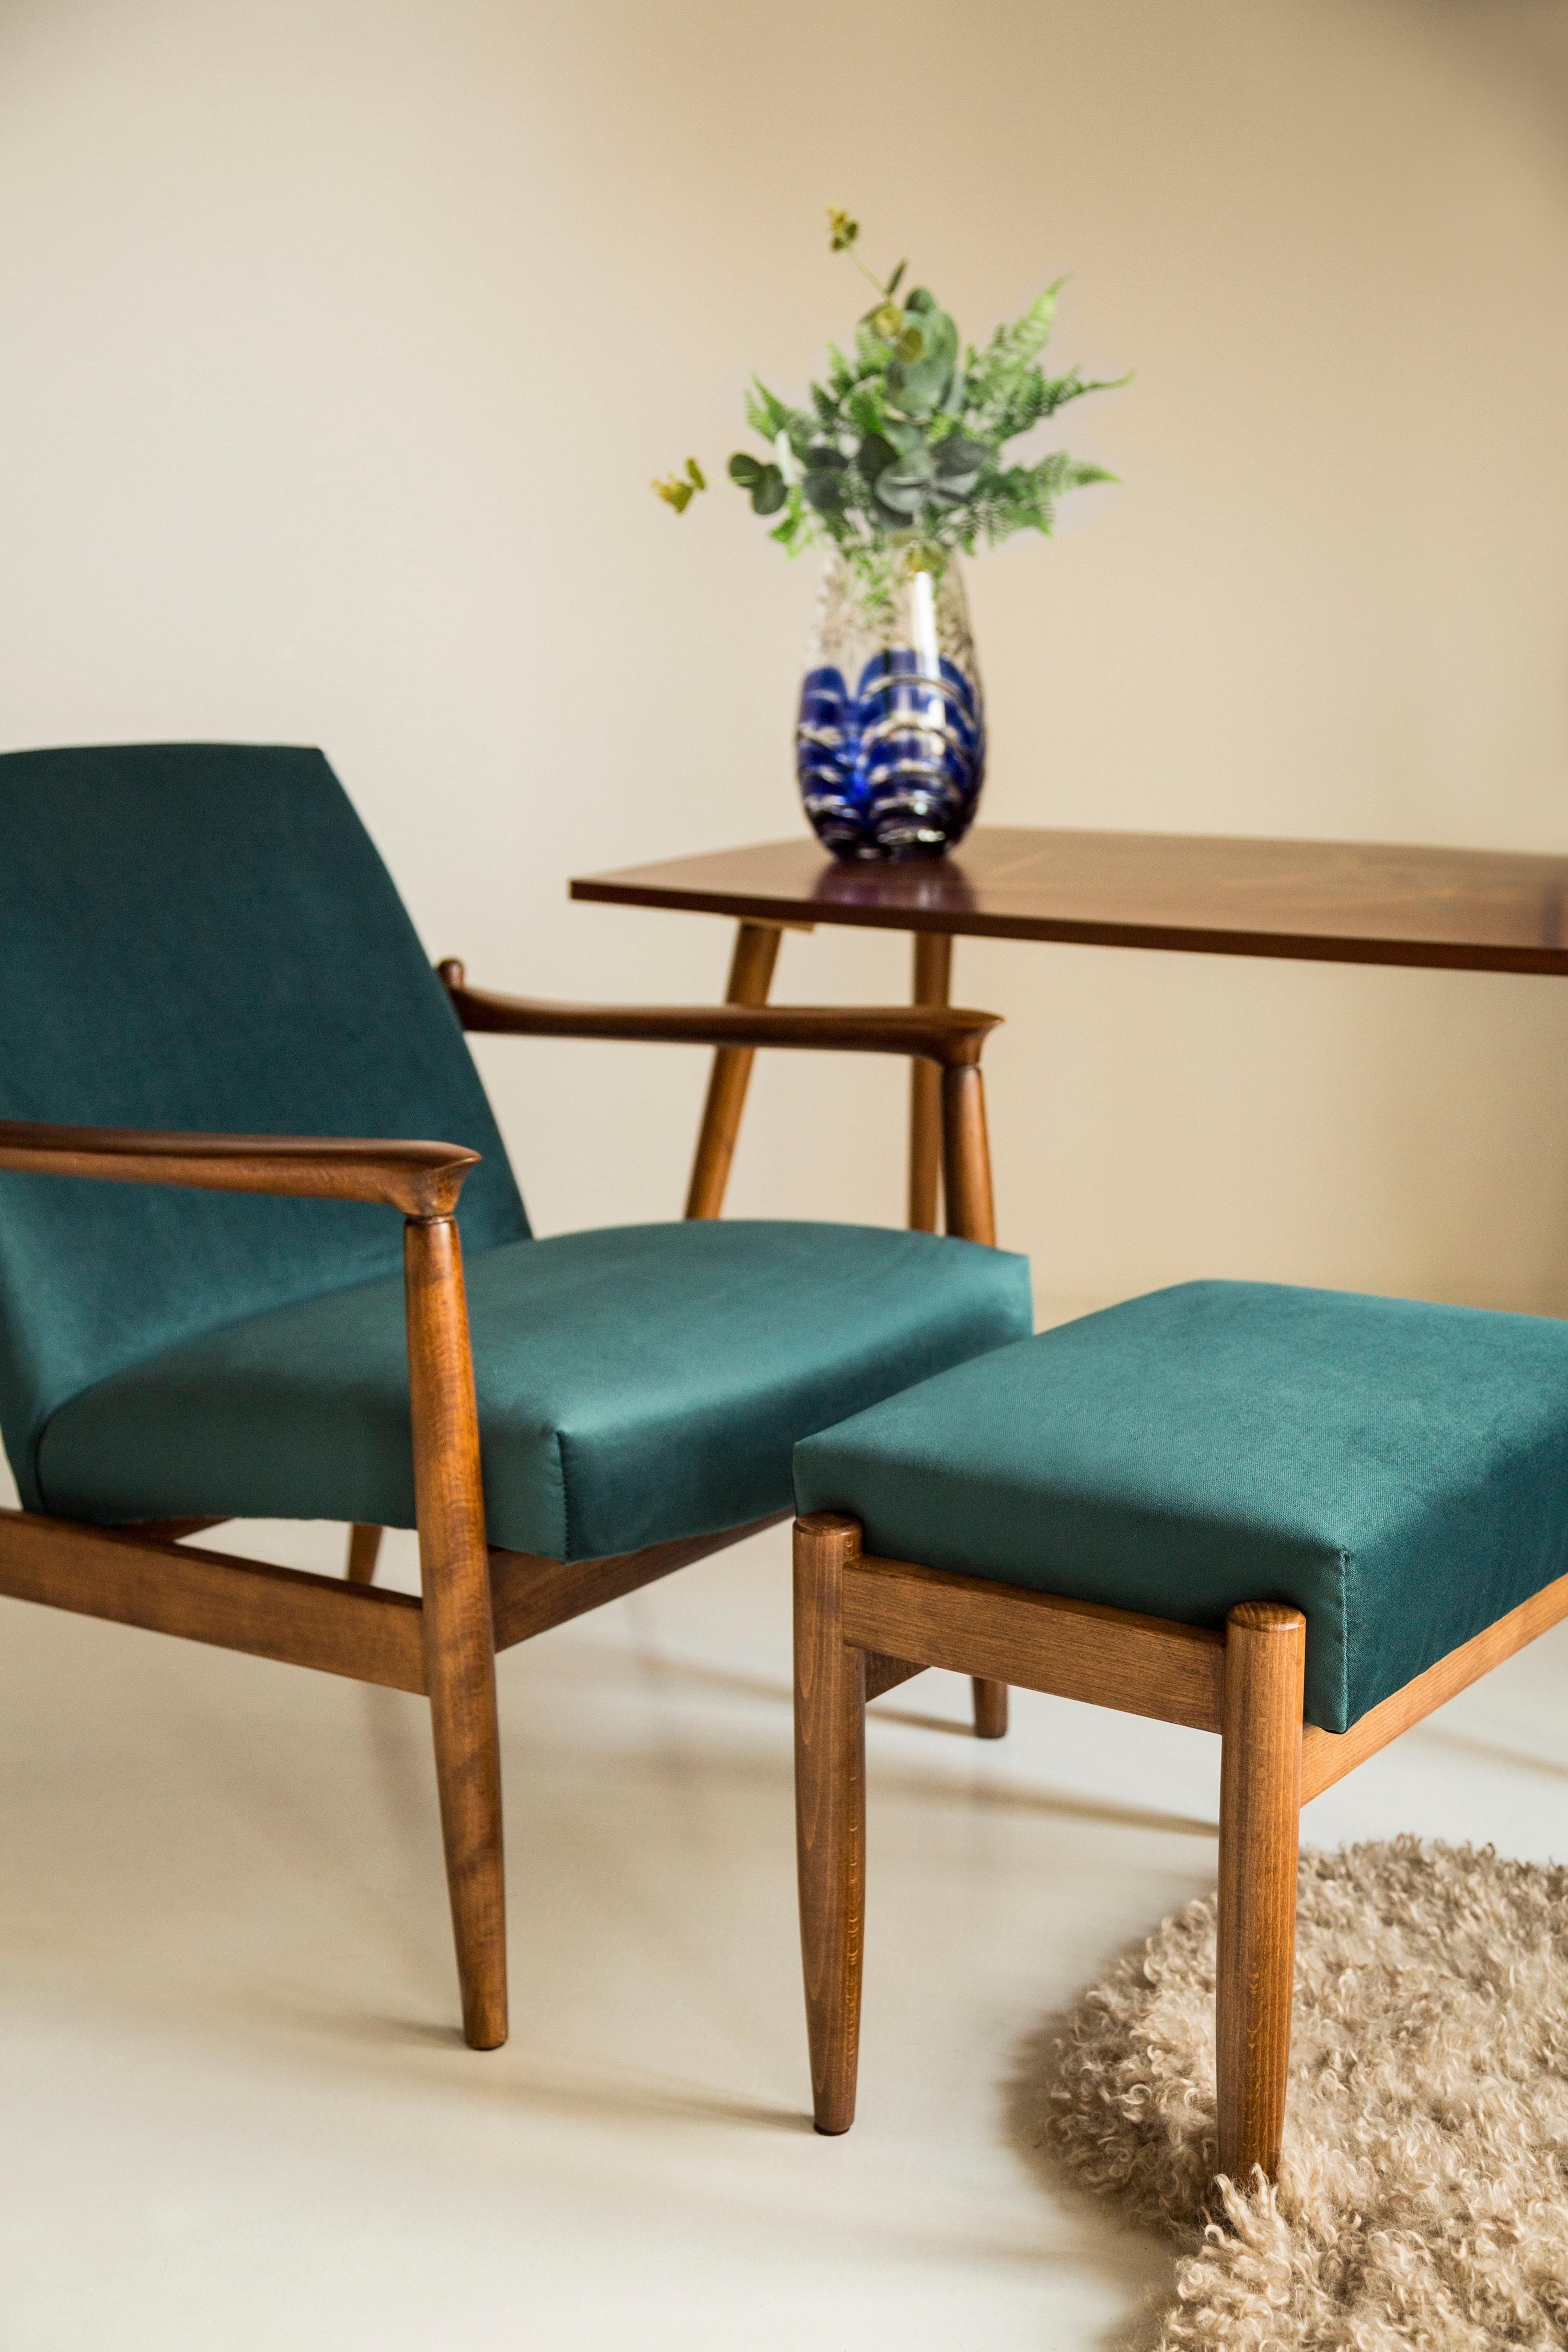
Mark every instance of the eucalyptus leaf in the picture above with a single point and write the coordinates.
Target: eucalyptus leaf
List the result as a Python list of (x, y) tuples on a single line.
[(919, 380), (904, 489), (918, 389), (768, 491), (958, 462)]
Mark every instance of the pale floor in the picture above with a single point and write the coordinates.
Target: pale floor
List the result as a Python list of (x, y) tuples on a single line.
[(237, 2113)]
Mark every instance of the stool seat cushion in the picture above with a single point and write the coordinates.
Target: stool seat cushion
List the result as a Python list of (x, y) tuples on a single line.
[(1397, 1471), (636, 1384)]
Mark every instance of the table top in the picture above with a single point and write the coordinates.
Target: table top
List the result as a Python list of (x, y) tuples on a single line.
[(1328, 901)]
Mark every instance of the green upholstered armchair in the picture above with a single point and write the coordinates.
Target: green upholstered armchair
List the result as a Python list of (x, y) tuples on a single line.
[(215, 1000)]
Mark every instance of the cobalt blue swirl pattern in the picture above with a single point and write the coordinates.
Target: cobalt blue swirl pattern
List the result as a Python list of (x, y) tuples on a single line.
[(894, 770)]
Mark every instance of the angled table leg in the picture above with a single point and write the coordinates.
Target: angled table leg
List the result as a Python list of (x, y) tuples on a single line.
[(751, 977), (932, 981)]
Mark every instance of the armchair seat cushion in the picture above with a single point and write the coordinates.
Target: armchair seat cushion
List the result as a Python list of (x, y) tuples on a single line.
[(1398, 1471), (636, 1384)]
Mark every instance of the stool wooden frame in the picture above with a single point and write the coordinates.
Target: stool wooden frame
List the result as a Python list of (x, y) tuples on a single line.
[(476, 1599), (863, 1625)]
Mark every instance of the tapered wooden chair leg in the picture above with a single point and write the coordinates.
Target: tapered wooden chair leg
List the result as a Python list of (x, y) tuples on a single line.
[(364, 1550), (459, 1628), (830, 1810), (1260, 1810), (990, 1709)]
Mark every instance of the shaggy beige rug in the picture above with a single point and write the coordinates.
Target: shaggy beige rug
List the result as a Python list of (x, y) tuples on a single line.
[(1423, 2197)]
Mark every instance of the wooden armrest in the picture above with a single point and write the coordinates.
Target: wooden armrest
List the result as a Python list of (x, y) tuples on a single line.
[(948, 1035), (423, 1180)]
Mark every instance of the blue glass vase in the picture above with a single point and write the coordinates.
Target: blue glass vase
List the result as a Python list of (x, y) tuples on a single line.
[(891, 740)]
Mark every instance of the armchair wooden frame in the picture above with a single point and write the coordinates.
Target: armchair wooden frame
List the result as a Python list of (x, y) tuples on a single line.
[(863, 1625), (475, 1599)]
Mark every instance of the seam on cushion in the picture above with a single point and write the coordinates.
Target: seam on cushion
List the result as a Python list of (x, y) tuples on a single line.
[(1342, 1561), (34, 1469), (565, 1494)]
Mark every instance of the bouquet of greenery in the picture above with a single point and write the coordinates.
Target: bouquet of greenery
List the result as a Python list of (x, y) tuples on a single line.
[(898, 459)]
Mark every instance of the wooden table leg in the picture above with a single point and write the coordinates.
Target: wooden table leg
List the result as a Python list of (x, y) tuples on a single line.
[(751, 977), (933, 975)]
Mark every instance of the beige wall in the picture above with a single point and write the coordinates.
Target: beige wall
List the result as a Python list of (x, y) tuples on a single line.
[(342, 338)]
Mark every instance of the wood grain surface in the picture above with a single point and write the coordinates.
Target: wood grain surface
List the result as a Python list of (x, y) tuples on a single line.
[(1003, 1633), (288, 1613), (1331, 901)]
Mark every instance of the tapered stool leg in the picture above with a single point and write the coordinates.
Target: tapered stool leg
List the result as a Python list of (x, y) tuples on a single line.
[(458, 1626), (830, 1810), (1259, 1809)]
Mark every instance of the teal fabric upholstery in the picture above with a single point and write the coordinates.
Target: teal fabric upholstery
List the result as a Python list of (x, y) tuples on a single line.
[(202, 936), (1399, 1472), (635, 1385)]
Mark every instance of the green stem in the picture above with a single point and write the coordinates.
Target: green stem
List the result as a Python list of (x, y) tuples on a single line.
[(866, 275)]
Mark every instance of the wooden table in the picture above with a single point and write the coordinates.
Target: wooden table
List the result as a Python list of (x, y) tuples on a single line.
[(1323, 901)]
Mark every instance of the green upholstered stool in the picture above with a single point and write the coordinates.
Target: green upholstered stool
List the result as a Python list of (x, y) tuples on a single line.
[(1302, 1519)]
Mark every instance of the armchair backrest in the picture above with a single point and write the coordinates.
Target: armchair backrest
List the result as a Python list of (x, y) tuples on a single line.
[(202, 936)]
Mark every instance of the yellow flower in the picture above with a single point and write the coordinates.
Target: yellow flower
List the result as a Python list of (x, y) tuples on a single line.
[(678, 490), (841, 229)]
